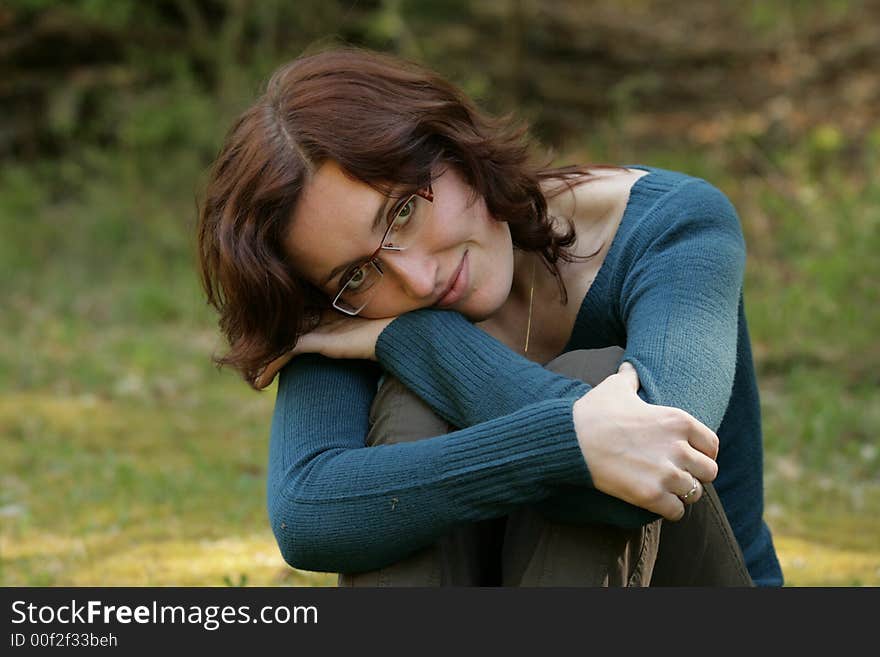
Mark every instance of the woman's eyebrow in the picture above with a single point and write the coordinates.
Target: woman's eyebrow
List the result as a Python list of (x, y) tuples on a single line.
[(377, 219)]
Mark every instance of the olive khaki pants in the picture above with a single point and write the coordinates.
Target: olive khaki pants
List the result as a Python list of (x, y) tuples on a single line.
[(526, 549)]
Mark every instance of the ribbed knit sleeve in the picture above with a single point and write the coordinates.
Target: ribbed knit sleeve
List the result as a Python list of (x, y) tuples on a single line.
[(679, 299), (464, 374), (338, 506)]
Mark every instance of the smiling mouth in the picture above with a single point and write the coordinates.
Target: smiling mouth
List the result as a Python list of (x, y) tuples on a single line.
[(443, 299)]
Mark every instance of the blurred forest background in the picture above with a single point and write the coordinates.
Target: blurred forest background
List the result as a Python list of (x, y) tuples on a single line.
[(128, 459)]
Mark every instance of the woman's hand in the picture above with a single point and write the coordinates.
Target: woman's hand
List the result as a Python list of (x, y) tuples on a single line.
[(337, 336), (650, 456)]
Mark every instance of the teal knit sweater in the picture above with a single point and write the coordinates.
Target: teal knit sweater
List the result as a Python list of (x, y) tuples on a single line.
[(669, 291)]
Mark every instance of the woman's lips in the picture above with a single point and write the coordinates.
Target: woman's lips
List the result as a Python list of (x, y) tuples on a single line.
[(458, 286)]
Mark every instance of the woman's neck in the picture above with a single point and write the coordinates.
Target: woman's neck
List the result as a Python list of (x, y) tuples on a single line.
[(534, 305)]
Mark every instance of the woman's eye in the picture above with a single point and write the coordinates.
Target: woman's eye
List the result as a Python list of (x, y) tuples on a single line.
[(405, 213), (355, 279)]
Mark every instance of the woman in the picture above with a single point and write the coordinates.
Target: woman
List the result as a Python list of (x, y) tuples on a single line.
[(364, 210)]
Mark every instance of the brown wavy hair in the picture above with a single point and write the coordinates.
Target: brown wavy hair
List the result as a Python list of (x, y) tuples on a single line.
[(386, 122)]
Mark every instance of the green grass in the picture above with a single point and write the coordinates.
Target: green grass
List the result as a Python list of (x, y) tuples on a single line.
[(128, 459)]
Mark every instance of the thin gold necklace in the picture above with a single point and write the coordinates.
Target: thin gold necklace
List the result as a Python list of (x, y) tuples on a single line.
[(531, 299)]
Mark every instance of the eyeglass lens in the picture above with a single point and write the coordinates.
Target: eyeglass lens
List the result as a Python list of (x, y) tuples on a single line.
[(403, 225)]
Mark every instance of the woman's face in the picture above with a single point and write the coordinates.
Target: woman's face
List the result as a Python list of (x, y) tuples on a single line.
[(460, 258)]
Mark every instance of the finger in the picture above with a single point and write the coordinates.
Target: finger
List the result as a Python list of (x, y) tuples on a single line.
[(700, 466), (671, 508), (264, 379), (690, 490), (629, 375), (703, 439), (268, 374)]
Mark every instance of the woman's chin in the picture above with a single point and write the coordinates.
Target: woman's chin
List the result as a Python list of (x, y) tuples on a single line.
[(479, 308)]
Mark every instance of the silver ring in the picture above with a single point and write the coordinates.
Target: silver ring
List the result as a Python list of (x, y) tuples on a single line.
[(684, 498)]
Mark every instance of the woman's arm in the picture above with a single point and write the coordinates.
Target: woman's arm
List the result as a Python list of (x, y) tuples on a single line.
[(336, 505), (679, 301), (464, 374)]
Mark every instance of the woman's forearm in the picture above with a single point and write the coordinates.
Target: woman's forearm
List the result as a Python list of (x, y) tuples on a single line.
[(464, 374)]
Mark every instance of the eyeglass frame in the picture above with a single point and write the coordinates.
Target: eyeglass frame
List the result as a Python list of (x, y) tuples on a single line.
[(426, 193)]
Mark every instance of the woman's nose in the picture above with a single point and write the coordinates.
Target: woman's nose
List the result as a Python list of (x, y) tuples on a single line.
[(415, 272)]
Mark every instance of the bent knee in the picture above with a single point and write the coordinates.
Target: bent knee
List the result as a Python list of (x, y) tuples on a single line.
[(398, 415), (591, 366)]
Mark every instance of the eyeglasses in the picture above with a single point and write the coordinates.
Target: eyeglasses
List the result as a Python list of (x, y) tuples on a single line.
[(405, 219)]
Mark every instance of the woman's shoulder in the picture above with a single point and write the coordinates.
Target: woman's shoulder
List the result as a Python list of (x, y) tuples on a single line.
[(639, 202), (609, 195), (681, 194), (670, 206), (671, 212)]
